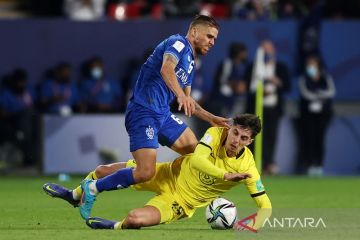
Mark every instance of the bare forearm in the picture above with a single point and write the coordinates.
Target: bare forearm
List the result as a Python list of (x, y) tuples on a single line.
[(202, 113), (171, 81), (168, 74)]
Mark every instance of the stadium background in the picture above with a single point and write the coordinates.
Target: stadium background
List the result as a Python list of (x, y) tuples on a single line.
[(36, 35)]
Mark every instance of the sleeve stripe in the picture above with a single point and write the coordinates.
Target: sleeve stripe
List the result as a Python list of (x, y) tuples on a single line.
[(205, 145), (172, 54), (257, 194)]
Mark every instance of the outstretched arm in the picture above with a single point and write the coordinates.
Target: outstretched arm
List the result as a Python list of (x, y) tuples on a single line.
[(257, 192), (215, 121), (257, 221), (200, 161)]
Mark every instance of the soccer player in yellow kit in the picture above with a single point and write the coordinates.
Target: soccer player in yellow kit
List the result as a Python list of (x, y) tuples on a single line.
[(221, 161)]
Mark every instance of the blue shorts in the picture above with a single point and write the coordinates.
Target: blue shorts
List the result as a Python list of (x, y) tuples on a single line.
[(147, 128)]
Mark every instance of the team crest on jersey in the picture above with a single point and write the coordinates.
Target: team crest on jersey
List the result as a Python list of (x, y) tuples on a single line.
[(150, 132), (206, 179)]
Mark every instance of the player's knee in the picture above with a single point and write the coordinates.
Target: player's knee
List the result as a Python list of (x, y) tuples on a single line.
[(134, 220), (146, 175), (143, 175), (192, 145), (102, 171)]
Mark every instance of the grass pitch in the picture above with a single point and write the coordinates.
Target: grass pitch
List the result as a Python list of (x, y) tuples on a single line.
[(28, 213)]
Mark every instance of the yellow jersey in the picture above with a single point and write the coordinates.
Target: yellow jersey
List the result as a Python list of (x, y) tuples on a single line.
[(198, 188)]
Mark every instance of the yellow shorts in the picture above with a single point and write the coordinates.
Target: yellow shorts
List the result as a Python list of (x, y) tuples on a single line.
[(166, 200)]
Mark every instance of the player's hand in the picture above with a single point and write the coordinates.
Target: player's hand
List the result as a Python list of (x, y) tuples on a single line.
[(235, 177), (220, 122), (188, 103)]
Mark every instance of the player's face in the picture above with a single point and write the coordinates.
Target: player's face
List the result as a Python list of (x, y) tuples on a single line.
[(237, 138), (204, 38)]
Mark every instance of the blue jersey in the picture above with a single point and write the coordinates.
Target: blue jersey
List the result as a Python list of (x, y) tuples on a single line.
[(151, 90)]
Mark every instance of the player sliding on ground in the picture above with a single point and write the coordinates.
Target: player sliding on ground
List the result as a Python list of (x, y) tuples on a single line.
[(221, 161)]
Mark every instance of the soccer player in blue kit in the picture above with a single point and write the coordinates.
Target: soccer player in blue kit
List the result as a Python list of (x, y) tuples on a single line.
[(166, 75)]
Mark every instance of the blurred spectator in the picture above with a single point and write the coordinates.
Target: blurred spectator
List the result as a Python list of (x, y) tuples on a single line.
[(181, 8), (253, 9), (309, 32), (99, 93), (276, 80), (59, 94), (17, 114), (200, 92), (84, 10), (229, 82), (339, 9), (316, 92), (290, 9)]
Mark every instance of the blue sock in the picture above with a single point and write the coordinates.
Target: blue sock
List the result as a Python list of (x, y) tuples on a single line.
[(120, 179)]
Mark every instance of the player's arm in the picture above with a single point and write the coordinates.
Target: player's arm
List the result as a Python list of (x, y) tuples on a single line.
[(167, 72), (257, 192), (210, 118), (200, 159), (207, 116)]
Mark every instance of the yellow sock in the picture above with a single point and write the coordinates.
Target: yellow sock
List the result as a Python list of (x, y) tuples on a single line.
[(77, 192), (118, 225)]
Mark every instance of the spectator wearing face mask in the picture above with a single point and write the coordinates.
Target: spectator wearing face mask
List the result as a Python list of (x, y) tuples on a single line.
[(317, 90), (229, 83), (99, 93), (17, 114), (59, 94)]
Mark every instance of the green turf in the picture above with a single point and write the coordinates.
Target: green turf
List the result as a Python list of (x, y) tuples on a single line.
[(27, 213)]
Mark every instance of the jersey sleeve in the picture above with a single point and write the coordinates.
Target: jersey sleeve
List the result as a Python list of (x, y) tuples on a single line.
[(175, 47), (257, 192), (254, 184), (211, 138), (200, 159)]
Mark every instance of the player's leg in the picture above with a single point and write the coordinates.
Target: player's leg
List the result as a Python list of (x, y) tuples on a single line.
[(142, 217), (101, 171), (142, 126), (186, 143), (175, 134), (160, 209), (137, 218), (73, 196)]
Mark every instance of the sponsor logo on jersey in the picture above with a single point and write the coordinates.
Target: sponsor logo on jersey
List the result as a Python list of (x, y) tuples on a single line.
[(179, 46), (182, 75)]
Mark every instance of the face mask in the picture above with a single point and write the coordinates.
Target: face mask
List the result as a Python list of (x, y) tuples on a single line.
[(96, 73), (311, 71)]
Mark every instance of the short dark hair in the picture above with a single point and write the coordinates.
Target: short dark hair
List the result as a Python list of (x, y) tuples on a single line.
[(203, 19), (249, 121)]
